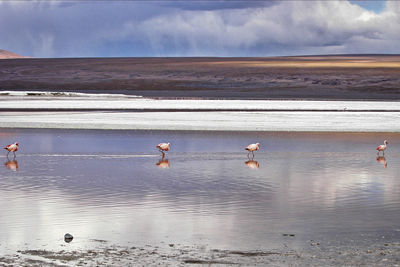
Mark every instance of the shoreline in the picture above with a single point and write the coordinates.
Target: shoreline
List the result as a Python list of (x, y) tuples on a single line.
[(314, 254)]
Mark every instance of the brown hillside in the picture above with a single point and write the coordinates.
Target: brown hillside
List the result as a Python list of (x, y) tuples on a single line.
[(4, 54)]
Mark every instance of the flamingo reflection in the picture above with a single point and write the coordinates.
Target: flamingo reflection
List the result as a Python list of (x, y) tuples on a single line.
[(382, 160), (252, 164), (12, 165), (163, 163)]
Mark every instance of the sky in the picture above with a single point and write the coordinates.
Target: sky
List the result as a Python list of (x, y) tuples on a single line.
[(92, 28)]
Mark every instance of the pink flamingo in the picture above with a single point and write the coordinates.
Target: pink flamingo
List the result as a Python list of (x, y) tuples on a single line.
[(11, 148), (163, 147), (382, 147), (252, 147)]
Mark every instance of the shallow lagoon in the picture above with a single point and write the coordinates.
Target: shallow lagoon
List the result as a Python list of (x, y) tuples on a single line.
[(114, 186)]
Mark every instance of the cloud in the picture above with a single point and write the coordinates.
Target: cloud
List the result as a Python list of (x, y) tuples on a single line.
[(234, 28), (287, 28), (68, 29), (218, 5)]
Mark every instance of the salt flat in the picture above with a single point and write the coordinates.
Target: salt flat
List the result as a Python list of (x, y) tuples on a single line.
[(122, 102), (211, 121), (103, 112)]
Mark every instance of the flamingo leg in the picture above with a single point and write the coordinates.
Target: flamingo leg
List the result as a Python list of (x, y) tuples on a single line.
[(248, 155), (14, 154)]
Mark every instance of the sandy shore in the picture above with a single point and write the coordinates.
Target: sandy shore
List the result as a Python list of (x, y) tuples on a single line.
[(106, 254), (104, 112)]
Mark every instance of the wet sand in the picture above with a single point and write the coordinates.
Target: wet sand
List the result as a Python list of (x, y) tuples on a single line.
[(313, 77), (105, 254)]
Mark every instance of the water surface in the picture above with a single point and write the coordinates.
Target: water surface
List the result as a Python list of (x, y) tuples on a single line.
[(115, 186)]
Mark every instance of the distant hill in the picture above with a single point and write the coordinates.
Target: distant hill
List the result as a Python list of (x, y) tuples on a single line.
[(4, 54), (308, 77)]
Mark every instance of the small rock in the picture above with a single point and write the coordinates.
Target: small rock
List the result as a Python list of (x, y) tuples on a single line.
[(68, 237), (288, 234), (171, 245)]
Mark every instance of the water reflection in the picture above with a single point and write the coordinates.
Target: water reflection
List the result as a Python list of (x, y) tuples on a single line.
[(313, 187), (382, 160), (252, 164), (12, 165), (163, 163)]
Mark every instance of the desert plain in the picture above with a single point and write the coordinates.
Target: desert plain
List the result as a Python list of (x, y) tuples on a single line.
[(374, 77)]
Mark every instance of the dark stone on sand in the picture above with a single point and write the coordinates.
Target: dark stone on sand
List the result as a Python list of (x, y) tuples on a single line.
[(288, 235), (68, 237)]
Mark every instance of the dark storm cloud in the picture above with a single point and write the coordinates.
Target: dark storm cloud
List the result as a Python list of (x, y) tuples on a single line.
[(196, 28), (47, 29)]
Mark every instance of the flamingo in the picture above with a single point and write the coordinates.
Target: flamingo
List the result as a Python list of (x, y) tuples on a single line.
[(382, 147), (11, 148), (163, 147), (252, 147)]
